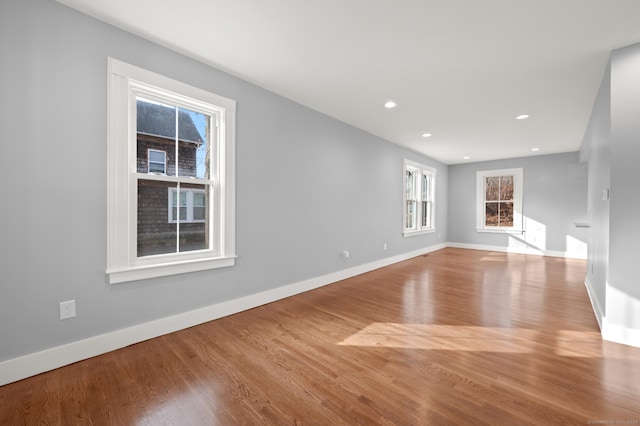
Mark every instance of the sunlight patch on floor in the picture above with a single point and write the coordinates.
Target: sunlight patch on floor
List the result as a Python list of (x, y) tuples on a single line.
[(443, 337), (476, 339)]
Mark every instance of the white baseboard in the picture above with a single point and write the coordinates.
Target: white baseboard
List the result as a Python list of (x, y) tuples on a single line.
[(620, 312), (611, 332), (595, 304), (39, 362), (620, 334), (521, 250)]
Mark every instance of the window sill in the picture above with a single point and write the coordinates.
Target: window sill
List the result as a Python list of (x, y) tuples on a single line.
[(501, 231), (421, 232), (153, 271)]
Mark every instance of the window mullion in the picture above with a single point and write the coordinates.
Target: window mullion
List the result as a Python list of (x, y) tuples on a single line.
[(163, 178), (418, 197), (178, 218), (498, 200), (177, 174)]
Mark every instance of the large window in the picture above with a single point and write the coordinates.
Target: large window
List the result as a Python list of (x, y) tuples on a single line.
[(418, 200), (499, 200), (171, 176)]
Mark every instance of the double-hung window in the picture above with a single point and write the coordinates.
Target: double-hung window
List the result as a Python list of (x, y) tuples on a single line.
[(419, 198), (499, 200), (171, 181)]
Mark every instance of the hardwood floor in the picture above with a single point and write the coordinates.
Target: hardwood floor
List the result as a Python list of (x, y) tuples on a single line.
[(453, 337)]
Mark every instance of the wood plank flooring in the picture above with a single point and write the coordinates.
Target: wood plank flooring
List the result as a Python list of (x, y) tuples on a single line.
[(453, 337)]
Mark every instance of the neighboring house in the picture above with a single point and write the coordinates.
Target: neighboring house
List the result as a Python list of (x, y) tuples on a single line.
[(158, 214)]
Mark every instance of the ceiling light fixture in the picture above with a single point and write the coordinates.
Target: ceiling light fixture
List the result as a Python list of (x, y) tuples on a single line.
[(426, 135), (465, 158), (535, 149), (390, 104), (522, 116)]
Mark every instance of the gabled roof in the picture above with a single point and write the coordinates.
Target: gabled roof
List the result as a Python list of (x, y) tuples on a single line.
[(159, 120)]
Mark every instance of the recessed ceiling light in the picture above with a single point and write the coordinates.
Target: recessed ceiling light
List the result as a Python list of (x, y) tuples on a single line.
[(465, 158), (390, 104), (522, 116), (535, 149), (426, 135)]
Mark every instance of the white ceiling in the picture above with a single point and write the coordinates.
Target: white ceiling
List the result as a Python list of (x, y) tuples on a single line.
[(458, 69)]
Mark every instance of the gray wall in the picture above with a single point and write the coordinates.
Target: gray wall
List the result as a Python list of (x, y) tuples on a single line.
[(308, 186), (596, 149), (623, 293), (612, 150), (554, 198)]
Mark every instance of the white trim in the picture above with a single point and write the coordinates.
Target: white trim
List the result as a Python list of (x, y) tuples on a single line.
[(620, 334), (501, 231), (413, 233), (610, 331), (521, 250), (183, 266), (39, 362), (620, 307), (595, 304)]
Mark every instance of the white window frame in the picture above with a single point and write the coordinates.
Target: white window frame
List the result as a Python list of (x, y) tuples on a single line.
[(518, 219), (420, 170), (190, 204), (125, 82), (164, 154)]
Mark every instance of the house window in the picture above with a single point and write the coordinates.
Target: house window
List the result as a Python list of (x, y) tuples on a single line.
[(190, 208), (418, 202), (157, 161), (499, 200), (171, 205)]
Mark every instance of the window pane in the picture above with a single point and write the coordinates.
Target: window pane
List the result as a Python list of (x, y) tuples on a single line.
[(426, 213), (409, 185), (198, 213), (155, 234), (156, 130), (156, 167), (194, 152), (506, 214), (491, 214), (506, 188), (198, 199), (156, 156), (194, 234), (411, 214), (492, 185), (425, 187)]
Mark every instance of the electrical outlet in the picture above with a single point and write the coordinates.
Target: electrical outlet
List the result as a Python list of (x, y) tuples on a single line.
[(384, 246), (345, 254), (67, 309)]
